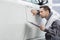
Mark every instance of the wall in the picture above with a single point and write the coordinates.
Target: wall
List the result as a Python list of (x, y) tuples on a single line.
[(12, 21)]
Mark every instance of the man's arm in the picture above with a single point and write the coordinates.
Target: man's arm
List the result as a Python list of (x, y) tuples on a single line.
[(35, 12), (55, 25)]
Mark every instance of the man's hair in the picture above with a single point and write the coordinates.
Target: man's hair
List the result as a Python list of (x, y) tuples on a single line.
[(46, 8)]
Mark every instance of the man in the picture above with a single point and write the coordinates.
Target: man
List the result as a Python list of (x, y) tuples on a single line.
[(52, 22)]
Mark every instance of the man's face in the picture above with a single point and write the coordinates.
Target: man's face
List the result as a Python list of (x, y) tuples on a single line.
[(43, 12)]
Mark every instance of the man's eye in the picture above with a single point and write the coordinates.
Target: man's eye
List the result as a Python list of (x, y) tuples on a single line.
[(41, 11)]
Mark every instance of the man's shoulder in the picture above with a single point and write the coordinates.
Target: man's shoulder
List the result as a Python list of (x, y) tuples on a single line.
[(57, 22)]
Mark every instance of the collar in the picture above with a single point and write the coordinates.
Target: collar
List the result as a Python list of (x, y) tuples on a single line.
[(49, 16)]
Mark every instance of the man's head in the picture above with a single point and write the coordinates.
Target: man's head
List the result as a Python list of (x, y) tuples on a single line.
[(44, 11)]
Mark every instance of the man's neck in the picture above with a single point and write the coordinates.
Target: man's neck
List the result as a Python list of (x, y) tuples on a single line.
[(48, 16)]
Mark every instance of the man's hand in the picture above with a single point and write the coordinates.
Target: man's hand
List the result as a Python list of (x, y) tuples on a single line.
[(42, 27), (34, 12)]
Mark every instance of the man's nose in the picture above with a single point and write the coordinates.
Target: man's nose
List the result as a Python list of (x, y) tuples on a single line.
[(40, 13)]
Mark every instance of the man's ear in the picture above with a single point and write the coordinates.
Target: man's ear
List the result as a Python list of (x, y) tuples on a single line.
[(47, 11)]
